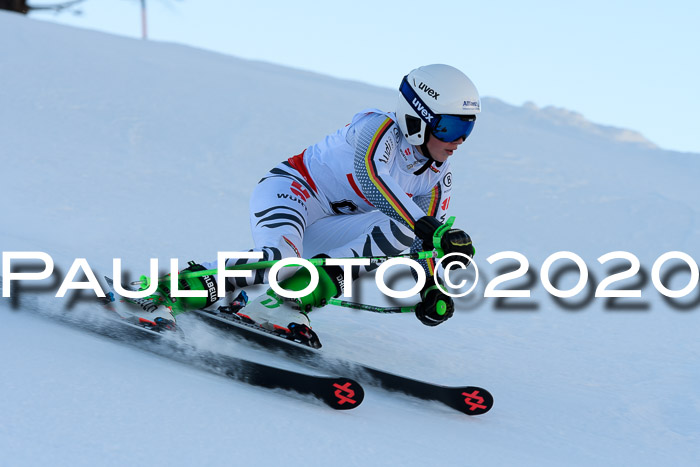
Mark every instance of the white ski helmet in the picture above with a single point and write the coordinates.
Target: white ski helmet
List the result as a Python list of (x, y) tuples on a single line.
[(429, 93)]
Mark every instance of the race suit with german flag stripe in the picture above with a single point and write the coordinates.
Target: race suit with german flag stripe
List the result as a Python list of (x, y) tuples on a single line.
[(355, 193)]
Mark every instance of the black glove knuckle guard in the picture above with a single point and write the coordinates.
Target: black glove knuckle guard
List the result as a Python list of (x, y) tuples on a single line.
[(427, 311), (452, 241)]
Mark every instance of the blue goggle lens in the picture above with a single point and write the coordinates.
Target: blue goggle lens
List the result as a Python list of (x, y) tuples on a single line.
[(453, 127)]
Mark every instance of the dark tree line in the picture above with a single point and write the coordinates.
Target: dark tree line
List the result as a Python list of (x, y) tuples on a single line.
[(24, 7), (20, 6)]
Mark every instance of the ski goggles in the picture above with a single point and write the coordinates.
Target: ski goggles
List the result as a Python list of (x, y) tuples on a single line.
[(452, 127), (446, 128)]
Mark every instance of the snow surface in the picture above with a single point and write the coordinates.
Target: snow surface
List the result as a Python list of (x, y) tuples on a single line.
[(119, 148)]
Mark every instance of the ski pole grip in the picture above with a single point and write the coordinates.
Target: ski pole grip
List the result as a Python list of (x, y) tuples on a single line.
[(145, 281), (430, 230), (437, 236)]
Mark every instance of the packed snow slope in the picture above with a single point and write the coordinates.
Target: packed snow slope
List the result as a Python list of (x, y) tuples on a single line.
[(118, 148)]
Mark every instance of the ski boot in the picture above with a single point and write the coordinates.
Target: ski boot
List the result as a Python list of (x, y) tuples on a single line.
[(236, 304), (303, 334), (279, 316), (158, 311), (145, 312), (288, 317)]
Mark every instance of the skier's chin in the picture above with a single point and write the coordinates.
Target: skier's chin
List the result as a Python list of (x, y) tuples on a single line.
[(443, 156)]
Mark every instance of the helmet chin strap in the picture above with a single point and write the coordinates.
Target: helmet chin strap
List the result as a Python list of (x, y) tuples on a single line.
[(426, 152)]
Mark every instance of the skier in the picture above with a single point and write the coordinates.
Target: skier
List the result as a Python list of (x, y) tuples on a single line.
[(377, 186)]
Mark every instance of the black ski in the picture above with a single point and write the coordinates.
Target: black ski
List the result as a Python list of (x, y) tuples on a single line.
[(471, 400), (339, 393)]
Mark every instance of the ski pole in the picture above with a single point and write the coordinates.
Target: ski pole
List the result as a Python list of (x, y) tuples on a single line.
[(372, 308), (315, 261)]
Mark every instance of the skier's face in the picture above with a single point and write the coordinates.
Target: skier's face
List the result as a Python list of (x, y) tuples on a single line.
[(441, 150)]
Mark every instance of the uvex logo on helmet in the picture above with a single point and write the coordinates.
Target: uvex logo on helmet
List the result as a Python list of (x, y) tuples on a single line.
[(428, 90), (422, 110)]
